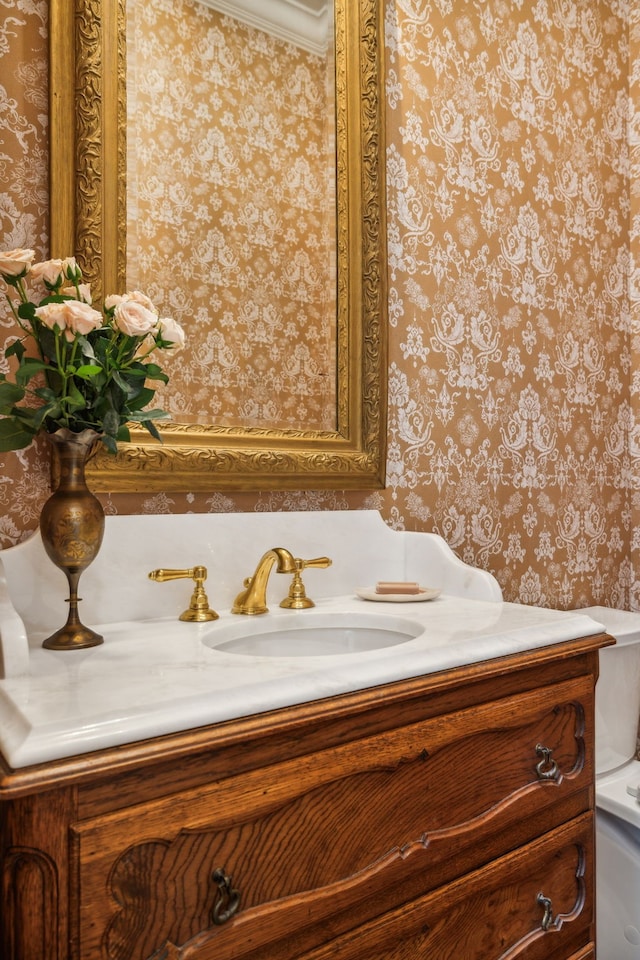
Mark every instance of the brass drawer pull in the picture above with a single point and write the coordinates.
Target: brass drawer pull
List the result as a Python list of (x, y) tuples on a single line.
[(547, 768), (227, 898), (547, 918)]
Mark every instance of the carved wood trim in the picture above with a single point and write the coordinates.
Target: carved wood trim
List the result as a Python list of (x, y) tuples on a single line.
[(30, 898), (495, 899)]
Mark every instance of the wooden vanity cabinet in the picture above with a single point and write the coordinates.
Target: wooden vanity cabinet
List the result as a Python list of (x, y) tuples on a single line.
[(444, 816)]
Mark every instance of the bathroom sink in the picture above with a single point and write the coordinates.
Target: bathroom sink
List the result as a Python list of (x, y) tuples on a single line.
[(311, 634)]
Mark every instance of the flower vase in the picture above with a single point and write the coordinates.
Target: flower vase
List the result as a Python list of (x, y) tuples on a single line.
[(72, 527)]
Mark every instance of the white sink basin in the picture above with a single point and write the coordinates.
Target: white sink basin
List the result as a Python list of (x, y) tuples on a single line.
[(311, 634)]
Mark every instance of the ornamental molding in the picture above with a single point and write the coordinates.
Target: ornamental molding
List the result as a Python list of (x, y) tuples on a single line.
[(305, 23)]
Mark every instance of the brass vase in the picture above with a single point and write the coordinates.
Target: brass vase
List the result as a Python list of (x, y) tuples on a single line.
[(72, 527)]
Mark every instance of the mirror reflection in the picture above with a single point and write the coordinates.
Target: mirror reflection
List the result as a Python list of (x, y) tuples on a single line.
[(254, 215), (231, 203)]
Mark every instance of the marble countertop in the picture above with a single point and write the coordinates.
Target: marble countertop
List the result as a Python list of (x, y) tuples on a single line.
[(158, 676)]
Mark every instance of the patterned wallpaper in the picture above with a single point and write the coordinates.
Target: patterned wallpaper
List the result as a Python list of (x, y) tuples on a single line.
[(231, 213), (513, 158)]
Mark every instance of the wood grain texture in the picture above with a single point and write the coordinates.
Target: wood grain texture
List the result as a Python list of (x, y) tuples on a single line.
[(490, 914), (34, 917)]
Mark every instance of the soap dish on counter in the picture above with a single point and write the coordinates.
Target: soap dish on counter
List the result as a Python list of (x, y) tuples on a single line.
[(369, 593)]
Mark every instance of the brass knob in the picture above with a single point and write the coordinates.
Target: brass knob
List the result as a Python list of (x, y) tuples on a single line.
[(198, 610), (297, 598)]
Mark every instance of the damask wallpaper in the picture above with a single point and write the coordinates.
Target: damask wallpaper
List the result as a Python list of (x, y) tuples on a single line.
[(231, 213), (513, 169)]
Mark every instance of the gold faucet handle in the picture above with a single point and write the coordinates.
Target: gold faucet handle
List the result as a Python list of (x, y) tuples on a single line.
[(317, 562), (162, 575), (297, 598), (198, 610)]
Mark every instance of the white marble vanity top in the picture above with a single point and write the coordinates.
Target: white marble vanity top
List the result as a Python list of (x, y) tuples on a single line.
[(164, 679), (153, 675)]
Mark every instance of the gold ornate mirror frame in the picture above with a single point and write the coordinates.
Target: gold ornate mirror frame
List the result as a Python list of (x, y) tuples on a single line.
[(88, 217)]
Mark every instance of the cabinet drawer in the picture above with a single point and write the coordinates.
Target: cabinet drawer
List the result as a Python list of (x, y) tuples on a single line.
[(532, 904), (333, 837)]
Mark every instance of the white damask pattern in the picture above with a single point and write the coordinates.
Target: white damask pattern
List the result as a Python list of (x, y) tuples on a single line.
[(508, 183), (231, 193)]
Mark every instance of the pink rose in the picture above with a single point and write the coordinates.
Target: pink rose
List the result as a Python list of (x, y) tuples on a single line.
[(134, 319), (81, 317), (16, 263), (112, 300), (170, 330), (49, 270), (52, 315), (142, 298), (70, 317), (83, 288), (115, 298)]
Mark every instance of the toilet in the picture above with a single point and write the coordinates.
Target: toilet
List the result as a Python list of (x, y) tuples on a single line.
[(618, 788)]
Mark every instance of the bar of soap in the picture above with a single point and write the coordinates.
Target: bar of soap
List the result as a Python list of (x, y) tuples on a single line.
[(390, 586)]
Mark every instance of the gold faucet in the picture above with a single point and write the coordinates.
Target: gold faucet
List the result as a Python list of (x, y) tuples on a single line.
[(198, 610), (253, 599)]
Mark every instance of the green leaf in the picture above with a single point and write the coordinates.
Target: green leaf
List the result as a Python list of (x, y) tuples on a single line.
[(29, 367), (111, 423), (47, 340), (10, 394), (55, 298), (33, 417), (140, 399), (152, 430), (145, 415), (17, 349), (110, 443), (74, 400), (154, 372), (13, 436), (136, 372), (50, 411), (54, 381), (86, 348), (87, 371), (129, 389), (26, 311), (46, 394), (29, 418), (97, 352)]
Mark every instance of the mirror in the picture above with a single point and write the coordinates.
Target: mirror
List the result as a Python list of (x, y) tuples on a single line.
[(345, 449)]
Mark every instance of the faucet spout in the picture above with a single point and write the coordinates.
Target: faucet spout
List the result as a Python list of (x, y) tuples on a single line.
[(253, 599)]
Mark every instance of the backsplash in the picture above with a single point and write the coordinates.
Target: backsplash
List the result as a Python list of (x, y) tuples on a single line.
[(513, 222)]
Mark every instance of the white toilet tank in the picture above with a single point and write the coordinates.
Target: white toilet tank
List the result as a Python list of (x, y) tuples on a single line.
[(618, 812), (617, 689)]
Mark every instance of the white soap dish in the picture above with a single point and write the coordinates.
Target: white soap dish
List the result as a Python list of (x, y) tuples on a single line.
[(369, 593)]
